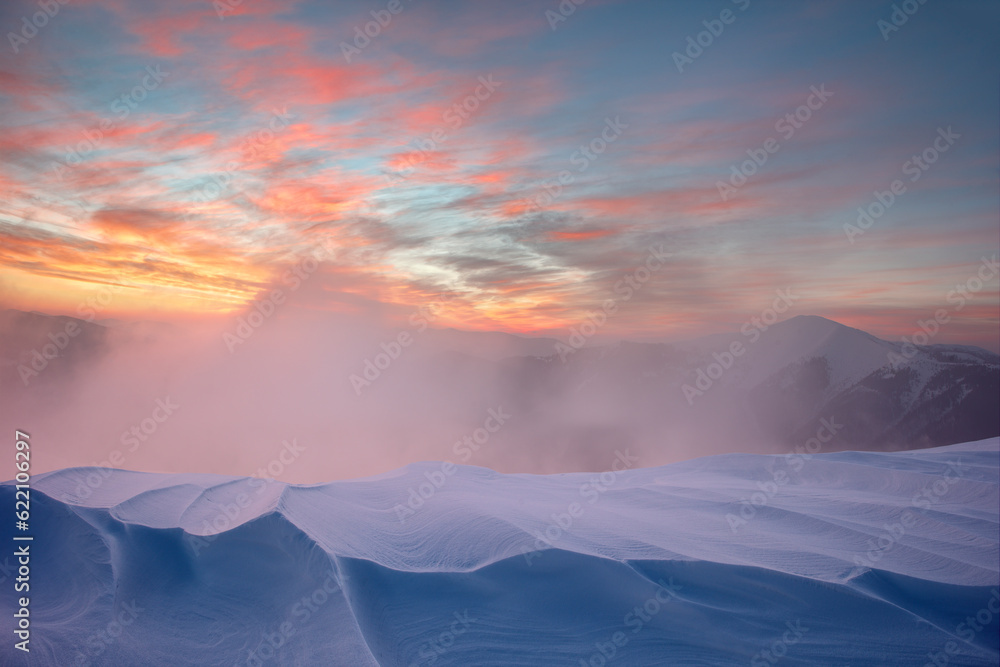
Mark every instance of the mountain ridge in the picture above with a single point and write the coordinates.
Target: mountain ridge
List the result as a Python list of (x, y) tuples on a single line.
[(667, 401)]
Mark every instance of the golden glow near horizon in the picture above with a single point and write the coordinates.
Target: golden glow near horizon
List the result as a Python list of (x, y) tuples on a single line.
[(518, 187)]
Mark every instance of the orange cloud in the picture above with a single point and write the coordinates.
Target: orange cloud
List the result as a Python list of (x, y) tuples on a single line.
[(580, 236)]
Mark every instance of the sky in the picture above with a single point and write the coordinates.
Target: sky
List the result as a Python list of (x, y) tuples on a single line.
[(509, 162)]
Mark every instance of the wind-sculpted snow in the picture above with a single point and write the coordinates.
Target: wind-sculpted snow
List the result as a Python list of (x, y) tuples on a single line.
[(835, 559)]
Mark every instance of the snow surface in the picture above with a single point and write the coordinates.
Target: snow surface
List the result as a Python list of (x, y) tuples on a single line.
[(493, 569)]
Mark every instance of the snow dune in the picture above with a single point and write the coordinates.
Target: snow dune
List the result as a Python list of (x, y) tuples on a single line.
[(836, 559)]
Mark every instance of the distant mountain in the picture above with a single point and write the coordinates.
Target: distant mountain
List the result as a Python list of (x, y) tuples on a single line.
[(492, 345), (39, 347), (885, 395), (775, 387), (803, 382)]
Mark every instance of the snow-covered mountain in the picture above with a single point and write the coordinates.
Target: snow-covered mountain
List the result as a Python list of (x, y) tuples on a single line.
[(886, 394), (775, 386), (755, 390), (835, 559)]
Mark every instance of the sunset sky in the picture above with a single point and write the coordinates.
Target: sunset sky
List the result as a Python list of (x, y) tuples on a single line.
[(196, 151)]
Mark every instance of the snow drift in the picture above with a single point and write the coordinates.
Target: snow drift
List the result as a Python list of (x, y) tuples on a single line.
[(840, 559)]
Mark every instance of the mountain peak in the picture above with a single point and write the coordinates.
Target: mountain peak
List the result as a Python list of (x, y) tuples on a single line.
[(813, 321), (816, 328)]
